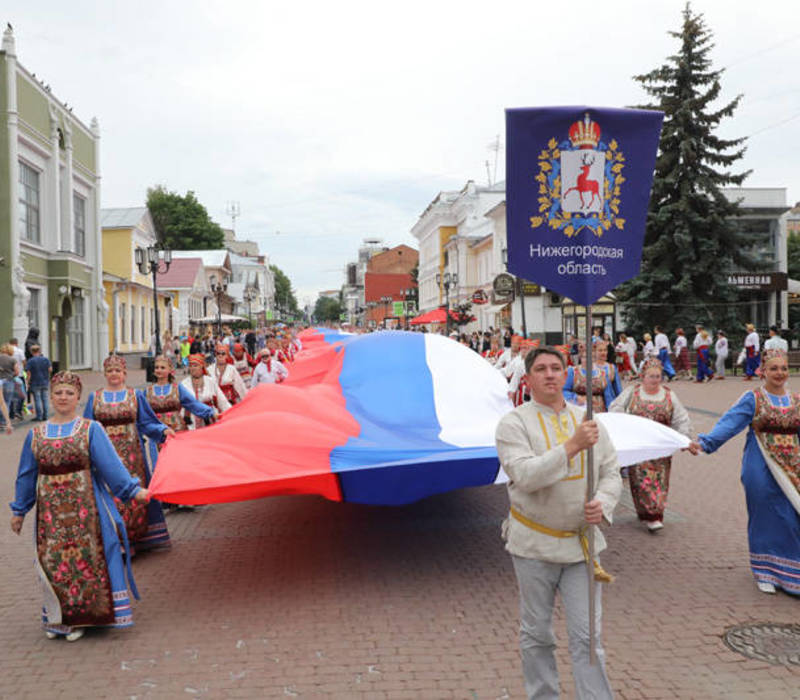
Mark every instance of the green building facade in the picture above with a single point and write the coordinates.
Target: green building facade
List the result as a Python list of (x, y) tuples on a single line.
[(50, 241)]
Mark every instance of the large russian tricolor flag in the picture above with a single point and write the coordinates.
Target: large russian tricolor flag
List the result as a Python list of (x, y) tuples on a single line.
[(384, 418)]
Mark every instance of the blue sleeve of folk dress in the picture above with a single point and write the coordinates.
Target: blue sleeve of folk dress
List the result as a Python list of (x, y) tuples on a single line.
[(108, 466), (736, 418), (569, 394), (88, 412), (28, 472), (146, 421), (190, 403)]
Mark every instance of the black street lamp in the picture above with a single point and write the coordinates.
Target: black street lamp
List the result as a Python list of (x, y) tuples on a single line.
[(407, 294), (149, 261), (450, 279), (218, 289)]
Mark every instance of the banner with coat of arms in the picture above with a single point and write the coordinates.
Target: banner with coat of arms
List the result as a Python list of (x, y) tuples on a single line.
[(578, 185)]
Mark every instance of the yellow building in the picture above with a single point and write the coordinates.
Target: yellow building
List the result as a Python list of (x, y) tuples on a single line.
[(129, 293)]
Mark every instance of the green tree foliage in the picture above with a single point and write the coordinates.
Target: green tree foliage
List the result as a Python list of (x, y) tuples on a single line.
[(181, 222), (691, 236), (327, 310), (285, 299)]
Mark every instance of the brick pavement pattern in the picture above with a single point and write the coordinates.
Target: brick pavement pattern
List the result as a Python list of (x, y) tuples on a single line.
[(300, 597)]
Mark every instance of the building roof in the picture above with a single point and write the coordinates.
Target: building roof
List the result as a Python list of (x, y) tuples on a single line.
[(181, 274), (125, 217), (210, 258), (377, 285), (237, 259)]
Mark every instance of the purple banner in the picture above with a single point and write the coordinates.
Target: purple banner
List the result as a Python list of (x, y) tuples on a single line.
[(578, 185)]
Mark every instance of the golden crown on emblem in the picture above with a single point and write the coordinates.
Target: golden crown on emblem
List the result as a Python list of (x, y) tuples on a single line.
[(585, 134)]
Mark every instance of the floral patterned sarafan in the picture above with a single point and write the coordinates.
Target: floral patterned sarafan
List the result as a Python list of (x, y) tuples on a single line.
[(69, 541), (599, 382), (650, 480), (167, 408), (776, 428), (119, 421)]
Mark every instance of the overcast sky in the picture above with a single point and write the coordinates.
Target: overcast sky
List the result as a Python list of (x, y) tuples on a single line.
[(330, 122)]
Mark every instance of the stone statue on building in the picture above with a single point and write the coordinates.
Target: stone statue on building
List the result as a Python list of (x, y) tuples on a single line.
[(22, 296)]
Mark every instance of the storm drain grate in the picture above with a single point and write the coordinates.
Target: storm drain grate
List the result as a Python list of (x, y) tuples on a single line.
[(767, 641)]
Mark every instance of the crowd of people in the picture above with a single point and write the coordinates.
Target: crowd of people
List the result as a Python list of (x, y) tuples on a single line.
[(88, 475)]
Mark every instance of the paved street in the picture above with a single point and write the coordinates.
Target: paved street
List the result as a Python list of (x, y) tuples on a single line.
[(300, 597)]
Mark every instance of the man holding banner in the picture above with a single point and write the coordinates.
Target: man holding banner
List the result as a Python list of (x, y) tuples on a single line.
[(542, 446), (578, 185)]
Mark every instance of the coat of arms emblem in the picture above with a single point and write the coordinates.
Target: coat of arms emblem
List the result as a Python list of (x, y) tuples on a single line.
[(579, 181)]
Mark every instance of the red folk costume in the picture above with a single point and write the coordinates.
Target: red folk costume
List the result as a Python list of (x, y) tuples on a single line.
[(243, 363)]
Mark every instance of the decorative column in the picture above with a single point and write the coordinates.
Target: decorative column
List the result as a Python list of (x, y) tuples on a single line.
[(20, 294), (97, 301), (67, 222)]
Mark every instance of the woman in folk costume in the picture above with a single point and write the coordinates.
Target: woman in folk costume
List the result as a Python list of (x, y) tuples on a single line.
[(69, 470), (268, 371), (681, 348), (624, 366), (127, 418), (650, 480), (770, 473), (243, 363), (204, 388), (168, 399), (494, 350), (575, 388), (228, 379), (518, 389), (752, 346), (601, 360), (701, 344)]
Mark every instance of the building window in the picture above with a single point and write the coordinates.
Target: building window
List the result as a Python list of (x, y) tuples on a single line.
[(75, 328), (79, 216), (33, 308), (133, 324), (122, 325), (29, 224)]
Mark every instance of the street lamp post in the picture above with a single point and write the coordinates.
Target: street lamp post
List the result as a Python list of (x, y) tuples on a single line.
[(385, 300), (249, 296), (407, 293), (450, 279), (218, 289), (149, 260)]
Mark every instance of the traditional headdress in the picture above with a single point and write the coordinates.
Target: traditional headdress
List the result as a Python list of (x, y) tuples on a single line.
[(750, 327), (115, 362), (238, 347), (198, 359), (771, 354), (651, 363), (67, 377)]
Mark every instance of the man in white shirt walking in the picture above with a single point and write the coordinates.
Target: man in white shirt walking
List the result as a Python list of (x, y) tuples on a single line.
[(542, 447), (775, 341)]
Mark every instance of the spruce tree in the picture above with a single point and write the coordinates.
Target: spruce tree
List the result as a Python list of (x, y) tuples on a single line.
[(691, 239)]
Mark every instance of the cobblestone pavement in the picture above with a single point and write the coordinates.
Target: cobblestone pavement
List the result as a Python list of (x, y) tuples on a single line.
[(300, 597)]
